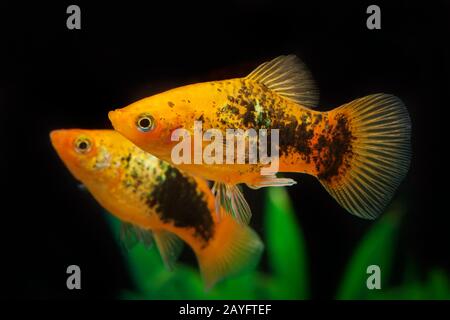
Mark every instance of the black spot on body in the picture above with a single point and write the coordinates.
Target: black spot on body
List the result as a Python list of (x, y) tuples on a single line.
[(126, 161), (295, 134), (171, 104), (334, 149), (234, 110), (227, 114), (248, 118), (317, 118), (176, 200), (273, 113)]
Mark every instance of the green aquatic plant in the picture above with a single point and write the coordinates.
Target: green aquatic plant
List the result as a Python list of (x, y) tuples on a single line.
[(287, 275), (286, 249), (153, 281), (376, 248)]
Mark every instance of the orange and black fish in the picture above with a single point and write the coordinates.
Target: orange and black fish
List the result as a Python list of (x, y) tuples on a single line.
[(156, 201), (359, 151)]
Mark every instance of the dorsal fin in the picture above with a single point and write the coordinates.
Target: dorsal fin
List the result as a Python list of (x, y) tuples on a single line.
[(289, 77)]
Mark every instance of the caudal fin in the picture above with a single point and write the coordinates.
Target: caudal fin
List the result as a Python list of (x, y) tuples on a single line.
[(378, 156), (234, 248)]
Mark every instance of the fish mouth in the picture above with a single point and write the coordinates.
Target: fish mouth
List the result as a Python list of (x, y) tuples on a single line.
[(60, 142), (114, 117), (57, 138)]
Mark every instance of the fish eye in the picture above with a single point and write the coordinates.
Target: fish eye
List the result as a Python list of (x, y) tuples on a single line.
[(145, 122), (82, 145)]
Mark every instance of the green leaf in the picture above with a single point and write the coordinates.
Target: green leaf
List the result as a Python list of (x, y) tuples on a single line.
[(153, 281), (436, 288), (376, 248), (145, 265), (286, 249), (240, 287), (438, 285), (182, 283)]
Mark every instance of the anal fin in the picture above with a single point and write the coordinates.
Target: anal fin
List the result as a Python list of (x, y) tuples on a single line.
[(271, 181)]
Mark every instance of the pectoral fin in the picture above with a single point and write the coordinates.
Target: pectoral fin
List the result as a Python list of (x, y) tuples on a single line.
[(130, 235), (169, 246), (232, 201)]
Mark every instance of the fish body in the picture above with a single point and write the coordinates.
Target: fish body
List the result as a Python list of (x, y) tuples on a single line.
[(359, 151), (155, 198), (232, 104)]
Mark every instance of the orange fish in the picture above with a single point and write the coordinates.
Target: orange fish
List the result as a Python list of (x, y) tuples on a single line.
[(156, 201), (359, 151)]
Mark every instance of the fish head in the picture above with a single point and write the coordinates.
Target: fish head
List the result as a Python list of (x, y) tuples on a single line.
[(86, 153), (148, 123)]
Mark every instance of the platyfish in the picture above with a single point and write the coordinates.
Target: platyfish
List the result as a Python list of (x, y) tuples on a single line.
[(359, 151), (155, 201)]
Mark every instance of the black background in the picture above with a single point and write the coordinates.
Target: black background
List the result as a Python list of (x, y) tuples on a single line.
[(54, 78)]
